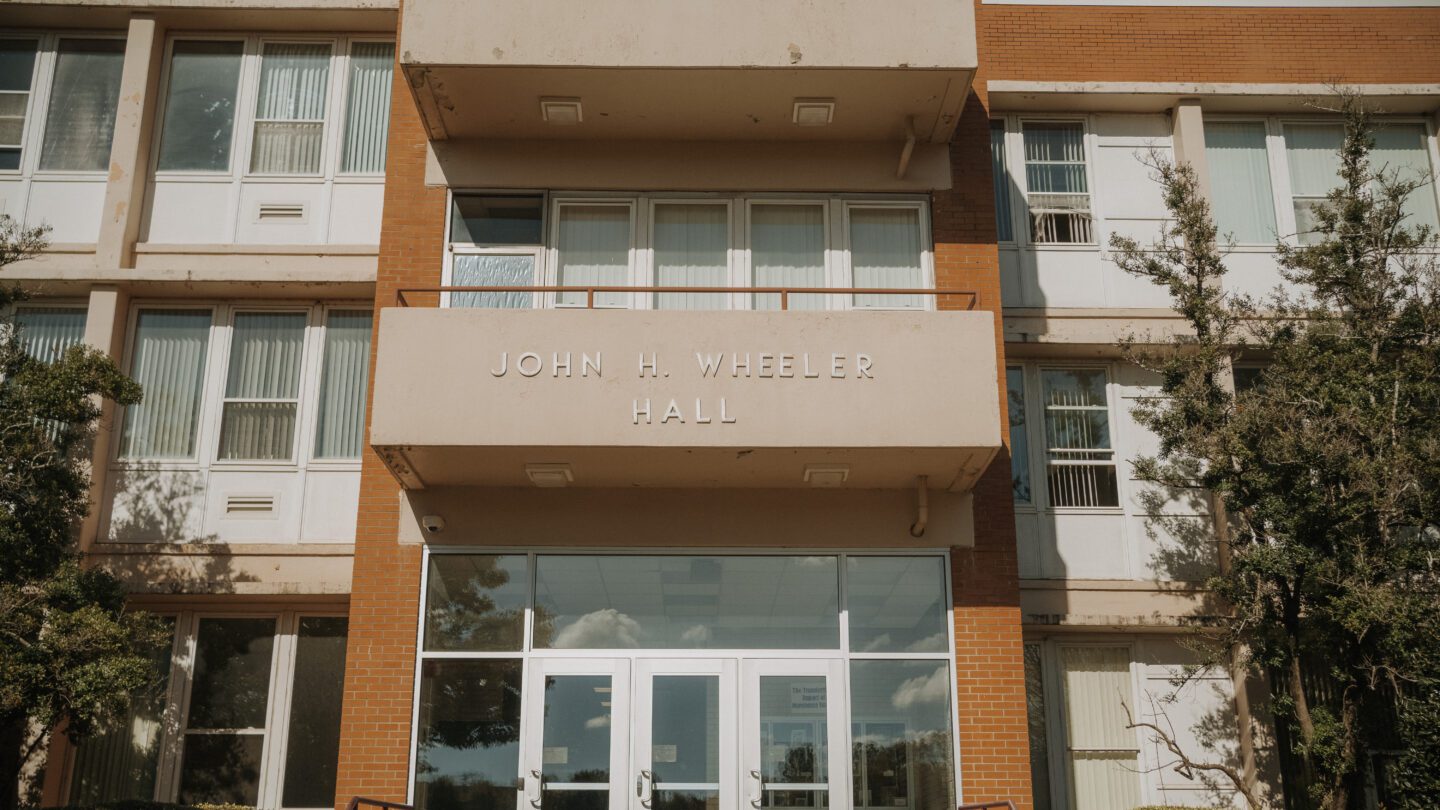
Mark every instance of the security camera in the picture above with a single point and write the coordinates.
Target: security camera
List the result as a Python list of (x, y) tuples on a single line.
[(433, 524)]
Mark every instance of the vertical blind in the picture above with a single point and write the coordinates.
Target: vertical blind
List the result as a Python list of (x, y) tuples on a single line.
[(290, 111), (1311, 152), (1081, 462), (47, 332), (787, 249), (262, 387), (1019, 435), (885, 251), (169, 365), (81, 119), (340, 427), (594, 248), (492, 270), (1058, 191), (367, 112), (1242, 200), (120, 763), (1400, 149), (1004, 226), (17, 68), (1103, 758), (200, 106), (691, 250)]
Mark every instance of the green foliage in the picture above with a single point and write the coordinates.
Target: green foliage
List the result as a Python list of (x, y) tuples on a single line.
[(70, 650), (1327, 471)]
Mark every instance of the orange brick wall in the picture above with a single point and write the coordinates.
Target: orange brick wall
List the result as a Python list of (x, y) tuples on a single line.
[(1186, 44), (385, 598), (989, 654)]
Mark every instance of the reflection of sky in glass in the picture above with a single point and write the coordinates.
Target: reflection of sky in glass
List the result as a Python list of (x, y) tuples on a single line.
[(666, 602), (896, 604), (468, 735), (900, 713)]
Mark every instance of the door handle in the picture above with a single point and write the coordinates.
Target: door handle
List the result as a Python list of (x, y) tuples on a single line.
[(759, 795), (534, 786), (645, 788)]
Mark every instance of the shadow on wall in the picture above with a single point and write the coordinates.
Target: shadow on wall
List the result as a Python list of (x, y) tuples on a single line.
[(157, 507)]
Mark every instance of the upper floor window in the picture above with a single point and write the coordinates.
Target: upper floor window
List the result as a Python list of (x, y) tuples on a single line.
[(700, 242), (1241, 199), (47, 331), (1057, 190), (284, 108), (58, 101), (1078, 455), (287, 383), (1312, 157), (1004, 225)]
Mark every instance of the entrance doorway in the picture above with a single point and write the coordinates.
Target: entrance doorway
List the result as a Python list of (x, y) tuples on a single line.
[(567, 681), (683, 734)]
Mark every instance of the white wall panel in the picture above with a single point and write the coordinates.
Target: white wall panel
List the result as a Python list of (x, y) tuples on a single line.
[(332, 500), (191, 212), (70, 207), (355, 213)]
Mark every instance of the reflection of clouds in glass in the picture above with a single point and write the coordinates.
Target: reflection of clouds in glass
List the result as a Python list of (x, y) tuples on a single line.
[(932, 643), (603, 721), (815, 562), (878, 644), (695, 634), (922, 689), (607, 628)]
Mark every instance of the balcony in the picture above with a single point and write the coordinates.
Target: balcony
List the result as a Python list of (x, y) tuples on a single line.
[(669, 398), (509, 72)]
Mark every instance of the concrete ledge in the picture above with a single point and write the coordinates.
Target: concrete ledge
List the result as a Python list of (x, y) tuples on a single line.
[(1017, 95)]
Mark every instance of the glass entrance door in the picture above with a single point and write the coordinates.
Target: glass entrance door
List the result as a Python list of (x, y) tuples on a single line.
[(577, 733), (685, 734), (792, 733)]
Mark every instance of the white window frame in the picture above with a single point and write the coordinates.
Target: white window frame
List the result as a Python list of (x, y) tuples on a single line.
[(247, 101), (278, 703), (527, 653), (1278, 176), (37, 108), (1015, 164), (1056, 729), (1038, 441), (835, 214), (214, 374), (331, 124)]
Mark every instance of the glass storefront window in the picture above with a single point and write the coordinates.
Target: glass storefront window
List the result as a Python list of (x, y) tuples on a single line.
[(468, 735), (476, 602), (678, 602), (901, 742), (896, 604)]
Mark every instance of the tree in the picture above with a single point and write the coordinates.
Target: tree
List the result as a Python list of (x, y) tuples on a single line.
[(71, 653), (1326, 472)]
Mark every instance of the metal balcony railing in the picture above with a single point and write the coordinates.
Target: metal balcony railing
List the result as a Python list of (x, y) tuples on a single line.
[(972, 298)]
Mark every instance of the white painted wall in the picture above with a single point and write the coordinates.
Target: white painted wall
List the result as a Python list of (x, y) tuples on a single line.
[(1140, 540)]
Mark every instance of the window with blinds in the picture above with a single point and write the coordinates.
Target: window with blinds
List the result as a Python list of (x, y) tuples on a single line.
[(1080, 461), (1004, 226), (259, 363), (290, 109), (1240, 193), (47, 332), (281, 100), (1102, 755), (1057, 189), (1312, 156), (84, 96)]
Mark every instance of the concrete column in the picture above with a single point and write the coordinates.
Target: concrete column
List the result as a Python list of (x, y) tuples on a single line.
[(1188, 131), (130, 149), (104, 330)]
